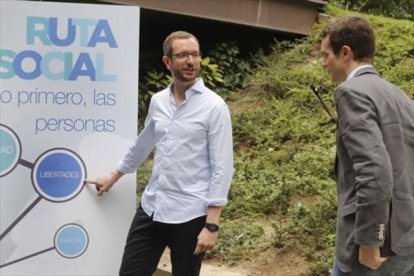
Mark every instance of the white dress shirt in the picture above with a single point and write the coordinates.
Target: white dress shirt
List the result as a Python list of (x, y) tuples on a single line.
[(193, 158)]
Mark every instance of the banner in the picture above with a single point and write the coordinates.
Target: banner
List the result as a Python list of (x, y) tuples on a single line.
[(68, 111)]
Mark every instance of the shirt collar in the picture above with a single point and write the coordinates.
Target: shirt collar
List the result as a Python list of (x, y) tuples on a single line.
[(352, 74), (198, 86)]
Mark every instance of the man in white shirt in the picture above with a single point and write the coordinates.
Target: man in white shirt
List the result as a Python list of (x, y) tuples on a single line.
[(190, 128)]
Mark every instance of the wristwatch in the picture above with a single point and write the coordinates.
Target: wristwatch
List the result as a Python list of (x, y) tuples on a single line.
[(212, 227)]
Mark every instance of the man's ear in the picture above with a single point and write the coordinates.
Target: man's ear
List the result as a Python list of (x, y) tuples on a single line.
[(167, 62), (347, 53)]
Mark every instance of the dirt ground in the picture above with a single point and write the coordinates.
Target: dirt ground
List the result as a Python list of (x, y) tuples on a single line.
[(265, 264), (208, 268)]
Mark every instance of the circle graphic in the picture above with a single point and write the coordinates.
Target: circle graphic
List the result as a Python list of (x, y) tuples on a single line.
[(71, 240), (10, 150), (58, 175)]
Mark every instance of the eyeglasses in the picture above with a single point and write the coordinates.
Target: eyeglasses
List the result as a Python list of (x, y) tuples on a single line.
[(184, 56)]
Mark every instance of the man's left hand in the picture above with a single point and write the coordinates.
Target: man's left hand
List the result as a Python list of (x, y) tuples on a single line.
[(205, 241), (370, 257)]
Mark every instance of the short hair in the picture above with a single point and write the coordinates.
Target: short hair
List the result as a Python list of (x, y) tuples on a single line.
[(352, 31), (167, 45)]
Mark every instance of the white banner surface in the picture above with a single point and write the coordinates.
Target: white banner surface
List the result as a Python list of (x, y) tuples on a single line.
[(68, 111)]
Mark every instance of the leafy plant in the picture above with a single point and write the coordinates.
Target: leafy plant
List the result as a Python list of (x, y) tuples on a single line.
[(403, 9), (235, 69), (237, 237), (286, 145)]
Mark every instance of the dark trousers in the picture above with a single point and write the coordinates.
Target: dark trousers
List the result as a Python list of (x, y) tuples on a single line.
[(147, 240)]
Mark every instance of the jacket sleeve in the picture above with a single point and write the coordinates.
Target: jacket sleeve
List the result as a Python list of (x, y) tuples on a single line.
[(359, 128)]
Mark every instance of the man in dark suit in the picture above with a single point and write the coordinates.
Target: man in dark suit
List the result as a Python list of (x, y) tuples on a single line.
[(375, 157)]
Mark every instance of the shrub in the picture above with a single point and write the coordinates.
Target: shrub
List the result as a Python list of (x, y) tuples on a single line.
[(402, 9)]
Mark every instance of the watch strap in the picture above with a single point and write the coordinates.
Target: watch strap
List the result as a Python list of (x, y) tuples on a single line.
[(212, 227)]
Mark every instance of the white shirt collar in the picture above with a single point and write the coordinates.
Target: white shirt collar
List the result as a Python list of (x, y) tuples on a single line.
[(352, 74)]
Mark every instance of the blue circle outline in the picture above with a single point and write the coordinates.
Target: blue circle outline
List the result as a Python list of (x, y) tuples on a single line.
[(33, 174), (62, 228), (20, 149)]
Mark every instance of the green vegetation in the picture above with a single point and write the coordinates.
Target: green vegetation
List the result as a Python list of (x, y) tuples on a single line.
[(402, 9), (283, 196)]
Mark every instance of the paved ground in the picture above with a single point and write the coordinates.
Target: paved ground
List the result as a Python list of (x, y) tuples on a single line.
[(164, 268)]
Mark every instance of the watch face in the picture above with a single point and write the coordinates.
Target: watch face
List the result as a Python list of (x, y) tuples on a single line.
[(212, 227)]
